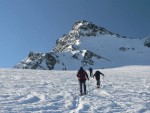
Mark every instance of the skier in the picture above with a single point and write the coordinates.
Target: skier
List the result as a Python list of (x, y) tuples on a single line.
[(97, 76), (91, 71), (82, 77)]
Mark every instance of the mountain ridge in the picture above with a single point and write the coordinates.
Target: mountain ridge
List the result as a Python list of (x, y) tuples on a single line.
[(88, 45)]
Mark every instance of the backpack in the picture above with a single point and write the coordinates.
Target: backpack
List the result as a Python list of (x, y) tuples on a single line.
[(82, 75)]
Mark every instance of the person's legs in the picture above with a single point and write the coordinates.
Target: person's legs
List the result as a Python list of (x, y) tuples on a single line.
[(84, 87), (90, 74), (82, 84), (80, 87), (98, 83)]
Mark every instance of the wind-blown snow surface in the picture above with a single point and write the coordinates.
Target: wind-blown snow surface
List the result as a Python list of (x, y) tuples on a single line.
[(124, 90)]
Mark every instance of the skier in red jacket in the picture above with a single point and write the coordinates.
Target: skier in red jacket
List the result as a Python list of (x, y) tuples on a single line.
[(82, 77)]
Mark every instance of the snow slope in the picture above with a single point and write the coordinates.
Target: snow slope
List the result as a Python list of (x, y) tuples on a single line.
[(124, 90), (109, 48)]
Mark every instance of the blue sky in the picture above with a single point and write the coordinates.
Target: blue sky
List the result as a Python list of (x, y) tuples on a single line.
[(35, 25)]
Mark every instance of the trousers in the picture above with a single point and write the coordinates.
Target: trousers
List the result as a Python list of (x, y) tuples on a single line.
[(82, 85)]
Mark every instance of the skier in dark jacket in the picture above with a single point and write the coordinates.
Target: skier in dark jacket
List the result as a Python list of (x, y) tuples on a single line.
[(82, 77), (97, 76), (91, 71)]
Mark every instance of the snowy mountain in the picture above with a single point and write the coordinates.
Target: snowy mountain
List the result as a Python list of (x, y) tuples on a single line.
[(89, 45), (123, 90)]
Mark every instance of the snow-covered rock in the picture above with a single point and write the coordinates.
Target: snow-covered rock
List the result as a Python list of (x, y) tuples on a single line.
[(89, 45)]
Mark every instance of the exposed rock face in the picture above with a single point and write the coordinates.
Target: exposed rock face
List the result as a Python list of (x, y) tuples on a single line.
[(125, 48), (38, 61), (87, 59), (147, 42)]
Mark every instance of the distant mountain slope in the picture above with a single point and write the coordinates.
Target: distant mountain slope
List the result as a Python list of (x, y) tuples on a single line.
[(89, 45)]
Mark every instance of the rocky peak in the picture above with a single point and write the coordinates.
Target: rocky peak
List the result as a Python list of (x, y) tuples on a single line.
[(80, 29), (86, 28), (80, 25)]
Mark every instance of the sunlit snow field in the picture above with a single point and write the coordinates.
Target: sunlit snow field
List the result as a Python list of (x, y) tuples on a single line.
[(124, 90)]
